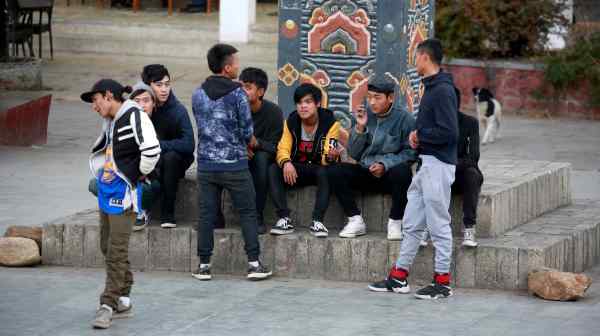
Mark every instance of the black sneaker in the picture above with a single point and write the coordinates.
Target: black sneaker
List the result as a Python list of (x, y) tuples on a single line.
[(202, 273), (433, 292), (262, 229), (391, 284), (259, 272), (317, 229), (140, 224), (283, 226)]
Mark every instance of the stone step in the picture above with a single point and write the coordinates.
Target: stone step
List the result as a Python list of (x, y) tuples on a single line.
[(168, 48), (153, 33), (190, 33), (71, 73), (567, 239), (514, 192)]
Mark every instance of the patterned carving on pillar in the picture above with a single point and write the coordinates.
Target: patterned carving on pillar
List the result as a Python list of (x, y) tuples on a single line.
[(339, 44)]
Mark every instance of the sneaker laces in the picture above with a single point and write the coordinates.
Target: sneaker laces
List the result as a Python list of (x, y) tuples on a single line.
[(284, 223), (318, 226)]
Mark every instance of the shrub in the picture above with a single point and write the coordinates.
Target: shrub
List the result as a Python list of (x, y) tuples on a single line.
[(579, 62), (494, 28)]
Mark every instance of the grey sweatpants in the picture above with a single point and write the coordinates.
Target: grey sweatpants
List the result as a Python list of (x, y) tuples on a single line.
[(428, 202)]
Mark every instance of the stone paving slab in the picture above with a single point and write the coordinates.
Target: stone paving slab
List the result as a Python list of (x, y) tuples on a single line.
[(513, 193), (567, 239)]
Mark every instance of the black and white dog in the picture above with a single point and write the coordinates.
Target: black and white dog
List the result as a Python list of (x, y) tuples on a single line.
[(489, 113)]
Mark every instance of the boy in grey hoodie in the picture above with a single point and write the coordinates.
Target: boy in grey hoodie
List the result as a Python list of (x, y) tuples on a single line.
[(378, 142)]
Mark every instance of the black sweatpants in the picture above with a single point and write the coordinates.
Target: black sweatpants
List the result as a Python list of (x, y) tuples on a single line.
[(345, 178), (467, 182)]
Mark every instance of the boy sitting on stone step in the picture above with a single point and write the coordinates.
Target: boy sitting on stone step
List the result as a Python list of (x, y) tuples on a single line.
[(379, 144), (302, 156)]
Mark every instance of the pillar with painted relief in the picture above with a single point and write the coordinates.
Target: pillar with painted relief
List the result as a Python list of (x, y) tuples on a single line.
[(339, 44)]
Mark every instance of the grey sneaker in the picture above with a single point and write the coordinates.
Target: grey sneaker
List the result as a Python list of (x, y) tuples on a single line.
[(103, 317), (425, 241), (123, 311), (469, 238), (202, 273), (259, 272)]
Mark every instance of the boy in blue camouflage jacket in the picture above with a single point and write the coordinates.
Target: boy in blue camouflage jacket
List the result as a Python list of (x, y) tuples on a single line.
[(224, 122)]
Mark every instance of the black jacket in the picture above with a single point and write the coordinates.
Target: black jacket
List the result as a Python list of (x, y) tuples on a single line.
[(437, 126), (328, 128), (135, 145), (173, 128), (268, 126), (468, 141)]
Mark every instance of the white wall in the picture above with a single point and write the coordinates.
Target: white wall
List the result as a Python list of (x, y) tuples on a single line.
[(235, 18)]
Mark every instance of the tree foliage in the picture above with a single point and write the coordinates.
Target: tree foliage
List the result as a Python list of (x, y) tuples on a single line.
[(497, 28)]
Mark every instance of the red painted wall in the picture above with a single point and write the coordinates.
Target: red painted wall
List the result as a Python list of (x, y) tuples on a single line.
[(26, 124), (513, 87)]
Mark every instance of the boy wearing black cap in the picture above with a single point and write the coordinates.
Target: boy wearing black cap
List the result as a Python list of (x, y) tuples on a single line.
[(126, 150), (378, 143)]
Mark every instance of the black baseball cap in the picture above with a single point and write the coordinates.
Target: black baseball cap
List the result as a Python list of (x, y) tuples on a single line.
[(102, 86)]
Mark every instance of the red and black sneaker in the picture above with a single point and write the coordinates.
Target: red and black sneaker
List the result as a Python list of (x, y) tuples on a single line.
[(439, 288), (395, 282)]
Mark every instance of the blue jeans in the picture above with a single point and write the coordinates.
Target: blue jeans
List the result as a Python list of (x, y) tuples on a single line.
[(241, 188)]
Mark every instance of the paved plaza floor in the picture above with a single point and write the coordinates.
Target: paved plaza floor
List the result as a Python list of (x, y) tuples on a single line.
[(61, 301)]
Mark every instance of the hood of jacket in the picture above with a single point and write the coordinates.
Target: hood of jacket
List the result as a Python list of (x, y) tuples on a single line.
[(439, 78), (219, 86)]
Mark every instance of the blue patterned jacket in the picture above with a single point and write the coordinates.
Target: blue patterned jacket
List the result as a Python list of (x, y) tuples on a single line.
[(224, 123)]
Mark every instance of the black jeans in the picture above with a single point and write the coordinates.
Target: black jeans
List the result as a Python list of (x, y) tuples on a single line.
[(345, 178), (171, 168), (308, 174), (259, 168), (240, 187), (467, 182)]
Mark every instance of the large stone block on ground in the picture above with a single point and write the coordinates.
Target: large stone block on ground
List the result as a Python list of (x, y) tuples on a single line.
[(31, 232), (554, 285), (17, 251)]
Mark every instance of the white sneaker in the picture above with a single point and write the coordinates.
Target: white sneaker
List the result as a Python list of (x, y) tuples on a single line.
[(469, 238), (168, 225), (394, 229), (356, 227), (124, 308), (425, 241)]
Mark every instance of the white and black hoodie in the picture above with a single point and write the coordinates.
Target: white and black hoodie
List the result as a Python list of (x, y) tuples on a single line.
[(136, 149)]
